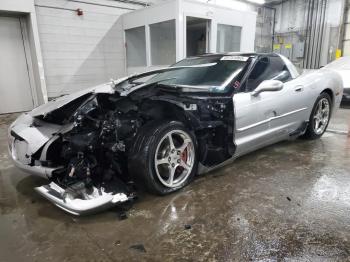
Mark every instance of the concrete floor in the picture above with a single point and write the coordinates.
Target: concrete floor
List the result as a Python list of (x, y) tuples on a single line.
[(287, 202)]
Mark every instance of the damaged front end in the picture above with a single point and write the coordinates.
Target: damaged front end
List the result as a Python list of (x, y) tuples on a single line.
[(80, 148), (85, 143)]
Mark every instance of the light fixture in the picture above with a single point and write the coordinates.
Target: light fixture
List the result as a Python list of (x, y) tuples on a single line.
[(260, 2)]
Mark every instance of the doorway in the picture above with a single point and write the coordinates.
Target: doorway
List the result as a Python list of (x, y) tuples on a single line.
[(15, 87), (197, 36)]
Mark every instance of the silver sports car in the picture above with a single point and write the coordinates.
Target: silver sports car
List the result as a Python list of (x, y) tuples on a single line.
[(156, 130)]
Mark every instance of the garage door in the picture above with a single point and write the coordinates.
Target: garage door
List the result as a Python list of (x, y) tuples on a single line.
[(15, 91)]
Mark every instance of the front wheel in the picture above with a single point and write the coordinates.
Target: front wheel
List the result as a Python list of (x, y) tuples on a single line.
[(319, 118), (167, 157)]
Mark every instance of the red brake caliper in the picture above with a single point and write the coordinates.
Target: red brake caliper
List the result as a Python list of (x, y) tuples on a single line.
[(184, 155)]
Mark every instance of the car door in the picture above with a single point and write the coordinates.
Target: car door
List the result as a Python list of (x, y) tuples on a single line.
[(292, 104), (263, 119)]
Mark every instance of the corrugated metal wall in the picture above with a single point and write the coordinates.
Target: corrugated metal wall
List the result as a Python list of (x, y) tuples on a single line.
[(264, 29), (346, 39), (308, 31), (81, 51)]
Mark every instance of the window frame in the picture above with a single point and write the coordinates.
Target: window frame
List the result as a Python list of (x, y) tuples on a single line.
[(243, 87)]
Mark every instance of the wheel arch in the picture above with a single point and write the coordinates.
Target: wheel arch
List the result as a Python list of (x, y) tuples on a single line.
[(173, 110), (330, 93), (199, 118)]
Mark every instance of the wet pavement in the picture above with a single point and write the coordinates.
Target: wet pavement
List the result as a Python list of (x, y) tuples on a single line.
[(287, 202)]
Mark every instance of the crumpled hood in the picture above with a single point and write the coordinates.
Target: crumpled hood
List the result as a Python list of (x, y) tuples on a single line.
[(36, 135), (111, 87), (108, 88), (61, 101)]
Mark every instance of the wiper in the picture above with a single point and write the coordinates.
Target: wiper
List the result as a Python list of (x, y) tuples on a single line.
[(200, 87)]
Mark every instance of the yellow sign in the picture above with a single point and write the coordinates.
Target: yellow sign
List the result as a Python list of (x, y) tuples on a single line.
[(288, 46), (276, 47), (337, 54)]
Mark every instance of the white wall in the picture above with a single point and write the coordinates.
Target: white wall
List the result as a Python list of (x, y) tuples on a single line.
[(223, 15), (179, 10), (75, 52), (81, 51), (264, 20), (25, 8)]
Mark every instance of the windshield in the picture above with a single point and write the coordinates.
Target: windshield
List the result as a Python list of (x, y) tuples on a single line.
[(213, 72)]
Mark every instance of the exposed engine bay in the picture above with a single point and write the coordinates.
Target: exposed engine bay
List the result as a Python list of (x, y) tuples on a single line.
[(99, 140)]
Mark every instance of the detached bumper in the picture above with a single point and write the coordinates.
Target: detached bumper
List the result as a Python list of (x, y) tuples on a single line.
[(99, 201)]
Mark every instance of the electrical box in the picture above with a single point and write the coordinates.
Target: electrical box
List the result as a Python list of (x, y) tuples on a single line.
[(277, 48), (286, 50), (298, 50)]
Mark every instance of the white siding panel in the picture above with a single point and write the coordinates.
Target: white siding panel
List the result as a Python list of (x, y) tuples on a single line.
[(97, 6), (80, 51)]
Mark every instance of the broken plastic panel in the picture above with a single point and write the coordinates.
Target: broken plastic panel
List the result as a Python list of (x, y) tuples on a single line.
[(85, 203)]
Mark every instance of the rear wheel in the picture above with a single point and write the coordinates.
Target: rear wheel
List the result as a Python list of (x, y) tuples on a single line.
[(167, 159), (320, 116)]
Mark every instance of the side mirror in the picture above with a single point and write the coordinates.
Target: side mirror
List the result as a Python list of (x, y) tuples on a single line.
[(268, 85)]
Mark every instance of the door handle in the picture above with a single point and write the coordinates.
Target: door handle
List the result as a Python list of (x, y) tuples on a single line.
[(298, 88)]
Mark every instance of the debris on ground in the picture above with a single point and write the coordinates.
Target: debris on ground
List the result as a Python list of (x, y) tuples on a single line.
[(138, 247), (188, 226), (122, 215)]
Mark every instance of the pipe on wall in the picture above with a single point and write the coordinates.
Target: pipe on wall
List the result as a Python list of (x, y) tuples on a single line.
[(310, 34), (307, 34), (323, 25), (314, 33), (273, 28)]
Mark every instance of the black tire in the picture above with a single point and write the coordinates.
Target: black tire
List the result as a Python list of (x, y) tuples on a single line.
[(141, 162), (311, 133)]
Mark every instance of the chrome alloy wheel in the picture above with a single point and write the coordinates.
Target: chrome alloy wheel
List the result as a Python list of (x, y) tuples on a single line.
[(321, 116), (174, 158)]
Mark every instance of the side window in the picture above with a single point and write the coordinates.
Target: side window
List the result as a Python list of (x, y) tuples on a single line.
[(266, 69), (258, 74), (279, 70)]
